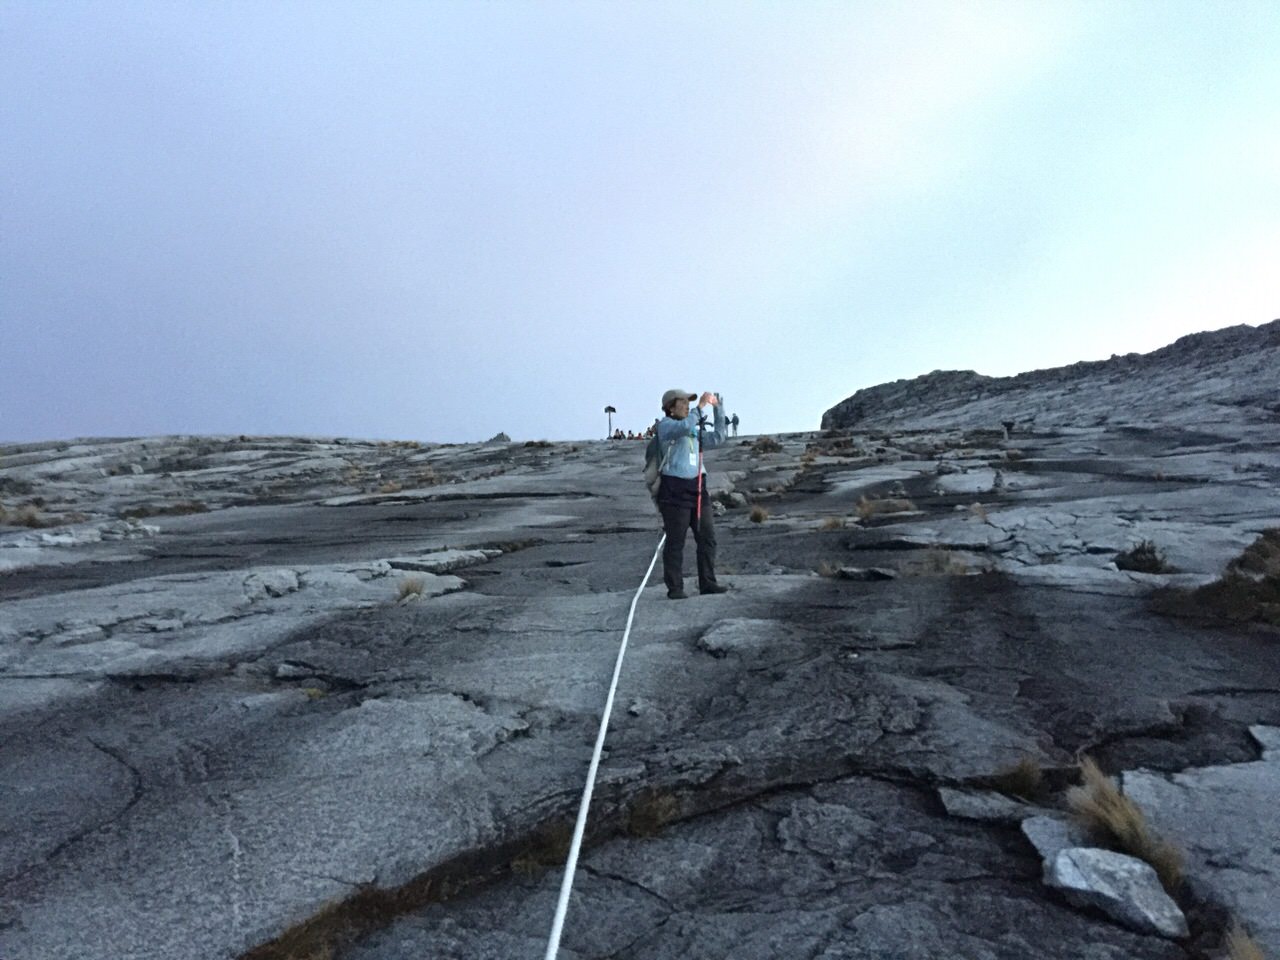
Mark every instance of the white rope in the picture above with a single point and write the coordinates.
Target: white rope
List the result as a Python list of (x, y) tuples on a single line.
[(566, 885)]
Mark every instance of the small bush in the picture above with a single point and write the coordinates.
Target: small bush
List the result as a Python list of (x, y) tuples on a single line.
[(759, 514), (979, 511), (1115, 820), (1261, 559), (1249, 591), (27, 515), (833, 523), (540, 444), (828, 570), (1144, 558), (411, 587), (872, 508), (391, 486), (766, 445)]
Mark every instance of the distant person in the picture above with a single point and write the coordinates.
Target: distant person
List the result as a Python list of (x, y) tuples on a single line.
[(734, 422), (682, 493)]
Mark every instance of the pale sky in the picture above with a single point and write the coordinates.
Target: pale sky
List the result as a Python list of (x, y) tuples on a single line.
[(439, 220)]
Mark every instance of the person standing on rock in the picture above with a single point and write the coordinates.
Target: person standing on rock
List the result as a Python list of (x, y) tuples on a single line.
[(682, 492), (734, 421)]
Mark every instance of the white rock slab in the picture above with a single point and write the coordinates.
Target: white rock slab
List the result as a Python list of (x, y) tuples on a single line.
[(1123, 887), (1225, 818)]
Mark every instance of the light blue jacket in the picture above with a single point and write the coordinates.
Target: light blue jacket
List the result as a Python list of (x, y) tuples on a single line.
[(678, 440)]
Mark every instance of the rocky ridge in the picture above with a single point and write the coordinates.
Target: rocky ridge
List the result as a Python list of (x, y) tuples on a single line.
[(1199, 379), (339, 698)]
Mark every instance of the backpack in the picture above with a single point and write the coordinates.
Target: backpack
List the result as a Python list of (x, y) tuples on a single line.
[(653, 467)]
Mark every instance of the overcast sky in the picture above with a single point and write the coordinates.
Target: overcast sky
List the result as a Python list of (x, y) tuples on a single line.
[(439, 220)]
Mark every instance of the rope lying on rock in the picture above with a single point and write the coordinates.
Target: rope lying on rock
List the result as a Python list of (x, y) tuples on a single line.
[(566, 885)]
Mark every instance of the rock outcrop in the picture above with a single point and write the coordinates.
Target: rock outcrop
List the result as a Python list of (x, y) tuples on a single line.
[(1230, 374)]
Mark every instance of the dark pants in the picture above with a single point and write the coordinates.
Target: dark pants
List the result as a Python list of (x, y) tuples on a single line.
[(677, 521)]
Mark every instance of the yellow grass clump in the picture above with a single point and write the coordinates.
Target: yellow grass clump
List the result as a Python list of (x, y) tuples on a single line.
[(411, 587), (872, 508), (833, 523), (759, 514), (1115, 820), (1024, 779)]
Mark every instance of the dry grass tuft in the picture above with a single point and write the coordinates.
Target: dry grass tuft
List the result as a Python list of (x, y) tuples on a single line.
[(935, 562), (828, 570), (1143, 558), (1024, 779), (759, 514), (833, 523), (411, 587), (1249, 591), (1241, 946), (1261, 559), (766, 445), (29, 515), (1114, 819), (391, 486), (874, 508), (979, 511)]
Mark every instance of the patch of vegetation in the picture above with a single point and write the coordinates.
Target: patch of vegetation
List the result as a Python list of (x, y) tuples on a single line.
[(651, 813), (1116, 821), (410, 587), (832, 523), (759, 514), (30, 515), (14, 487), (180, 508), (979, 511), (391, 486), (549, 847), (935, 562), (1143, 558), (766, 445), (1024, 779), (872, 508), (538, 443), (1248, 592), (828, 570)]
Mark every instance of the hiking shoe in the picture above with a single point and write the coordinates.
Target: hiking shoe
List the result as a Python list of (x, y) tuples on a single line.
[(677, 595), (714, 588)]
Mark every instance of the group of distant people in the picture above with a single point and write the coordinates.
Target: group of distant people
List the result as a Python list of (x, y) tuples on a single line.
[(652, 430)]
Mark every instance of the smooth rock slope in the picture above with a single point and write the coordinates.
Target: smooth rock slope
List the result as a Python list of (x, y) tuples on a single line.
[(357, 684)]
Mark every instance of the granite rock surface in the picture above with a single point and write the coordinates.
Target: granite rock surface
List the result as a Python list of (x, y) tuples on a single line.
[(347, 673)]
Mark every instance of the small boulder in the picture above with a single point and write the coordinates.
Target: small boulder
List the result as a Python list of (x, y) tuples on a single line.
[(984, 805), (1123, 887), (1050, 836), (270, 583)]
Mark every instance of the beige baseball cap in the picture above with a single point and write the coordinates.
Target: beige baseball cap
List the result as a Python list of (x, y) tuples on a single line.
[(672, 395)]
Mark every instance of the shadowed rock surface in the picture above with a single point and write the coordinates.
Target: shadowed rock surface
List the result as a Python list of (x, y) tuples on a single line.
[(372, 673)]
